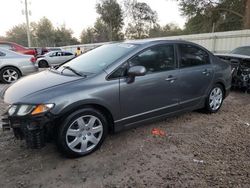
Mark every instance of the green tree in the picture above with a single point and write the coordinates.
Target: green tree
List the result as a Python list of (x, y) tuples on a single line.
[(221, 15), (88, 36), (45, 33), (111, 14), (101, 31), (63, 36), (2, 38), (18, 34), (141, 19), (170, 29)]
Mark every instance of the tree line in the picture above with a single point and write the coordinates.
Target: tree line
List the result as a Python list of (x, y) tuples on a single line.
[(131, 19)]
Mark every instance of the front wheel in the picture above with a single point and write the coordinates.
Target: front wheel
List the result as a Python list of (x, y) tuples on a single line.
[(82, 132), (215, 99)]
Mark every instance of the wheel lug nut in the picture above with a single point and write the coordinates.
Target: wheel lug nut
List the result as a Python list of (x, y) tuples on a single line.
[(84, 138), (89, 134)]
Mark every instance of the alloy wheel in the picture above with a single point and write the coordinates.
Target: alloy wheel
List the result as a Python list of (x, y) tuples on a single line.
[(10, 75), (84, 133), (215, 98)]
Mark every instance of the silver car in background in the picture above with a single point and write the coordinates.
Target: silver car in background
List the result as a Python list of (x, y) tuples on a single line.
[(53, 58), (14, 65)]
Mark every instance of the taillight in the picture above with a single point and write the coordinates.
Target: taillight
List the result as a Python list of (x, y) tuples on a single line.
[(33, 59)]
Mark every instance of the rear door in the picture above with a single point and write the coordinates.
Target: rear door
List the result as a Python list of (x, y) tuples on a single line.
[(196, 74)]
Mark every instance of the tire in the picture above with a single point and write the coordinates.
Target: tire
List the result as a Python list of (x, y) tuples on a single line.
[(78, 134), (9, 75), (214, 99), (43, 64)]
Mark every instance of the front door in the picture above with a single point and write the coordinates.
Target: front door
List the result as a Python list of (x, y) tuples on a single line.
[(157, 92)]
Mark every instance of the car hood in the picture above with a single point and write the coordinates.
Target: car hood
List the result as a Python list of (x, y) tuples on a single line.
[(35, 83), (234, 55)]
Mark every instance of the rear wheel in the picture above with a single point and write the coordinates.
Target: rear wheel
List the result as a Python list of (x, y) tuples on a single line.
[(9, 75), (215, 99), (82, 132), (43, 64)]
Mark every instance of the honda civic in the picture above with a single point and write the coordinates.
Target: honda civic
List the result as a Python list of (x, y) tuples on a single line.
[(114, 87)]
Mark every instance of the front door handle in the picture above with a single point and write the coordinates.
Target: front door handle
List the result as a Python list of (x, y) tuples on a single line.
[(206, 72), (171, 79)]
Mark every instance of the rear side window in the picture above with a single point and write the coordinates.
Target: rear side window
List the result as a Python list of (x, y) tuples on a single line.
[(192, 56), (6, 46), (67, 53)]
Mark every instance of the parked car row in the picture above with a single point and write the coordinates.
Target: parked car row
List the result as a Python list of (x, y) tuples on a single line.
[(17, 48), (36, 51), (53, 58), (13, 65), (112, 88)]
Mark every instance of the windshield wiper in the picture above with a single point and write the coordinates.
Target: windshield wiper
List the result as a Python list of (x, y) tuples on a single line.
[(72, 70)]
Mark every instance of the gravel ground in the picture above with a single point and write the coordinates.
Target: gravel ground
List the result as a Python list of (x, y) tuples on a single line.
[(199, 150)]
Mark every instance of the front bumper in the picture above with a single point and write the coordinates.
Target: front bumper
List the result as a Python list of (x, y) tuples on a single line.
[(34, 129)]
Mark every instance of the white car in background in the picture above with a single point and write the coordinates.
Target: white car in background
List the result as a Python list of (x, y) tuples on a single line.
[(13, 65), (53, 58)]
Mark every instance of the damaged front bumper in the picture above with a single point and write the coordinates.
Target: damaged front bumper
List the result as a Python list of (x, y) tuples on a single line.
[(34, 129)]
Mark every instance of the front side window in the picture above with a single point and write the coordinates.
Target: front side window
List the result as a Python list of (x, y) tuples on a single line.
[(192, 56), (53, 54), (156, 59)]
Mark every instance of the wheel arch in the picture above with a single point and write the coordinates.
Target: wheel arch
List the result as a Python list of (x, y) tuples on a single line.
[(223, 87), (72, 108), (42, 60), (12, 66)]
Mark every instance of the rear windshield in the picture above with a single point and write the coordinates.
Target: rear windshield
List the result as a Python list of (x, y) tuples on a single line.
[(98, 59)]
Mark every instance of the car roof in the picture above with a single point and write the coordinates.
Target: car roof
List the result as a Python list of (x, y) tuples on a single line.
[(241, 47), (154, 41)]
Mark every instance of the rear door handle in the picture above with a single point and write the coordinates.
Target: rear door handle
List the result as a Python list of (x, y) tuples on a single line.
[(171, 79), (206, 72)]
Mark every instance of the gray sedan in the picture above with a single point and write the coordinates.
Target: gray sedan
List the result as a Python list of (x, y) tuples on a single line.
[(14, 65), (112, 88)]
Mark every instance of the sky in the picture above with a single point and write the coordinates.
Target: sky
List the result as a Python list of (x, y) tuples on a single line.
[(75, 14)]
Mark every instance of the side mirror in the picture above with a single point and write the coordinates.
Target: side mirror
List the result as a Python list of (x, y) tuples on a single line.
[(135, 71)]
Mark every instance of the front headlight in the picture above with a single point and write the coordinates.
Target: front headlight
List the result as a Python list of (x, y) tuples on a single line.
[(25, 109), (12, 110)]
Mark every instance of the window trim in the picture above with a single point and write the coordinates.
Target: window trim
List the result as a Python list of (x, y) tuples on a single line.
[(143, 50), (193, 45)]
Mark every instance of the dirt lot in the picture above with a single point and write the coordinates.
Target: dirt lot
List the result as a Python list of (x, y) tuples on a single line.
[(199, 151)]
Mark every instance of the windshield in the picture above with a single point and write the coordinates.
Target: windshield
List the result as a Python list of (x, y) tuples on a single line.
[(241, 51), (98, 59)]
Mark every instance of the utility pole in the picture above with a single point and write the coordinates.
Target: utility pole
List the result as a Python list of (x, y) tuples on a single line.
[(26, 12)]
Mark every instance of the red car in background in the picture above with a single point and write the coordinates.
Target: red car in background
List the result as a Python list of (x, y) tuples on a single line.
[(17, 48)]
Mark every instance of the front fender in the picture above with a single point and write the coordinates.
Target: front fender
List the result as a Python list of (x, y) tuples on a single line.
[(76, 105)]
